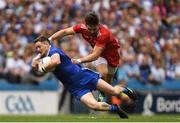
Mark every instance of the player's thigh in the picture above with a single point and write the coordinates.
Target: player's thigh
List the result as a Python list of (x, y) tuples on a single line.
[(102, 69), (89, 100), (109, 78), (101, 66), (111, 73), (89, 65), (105, 87)]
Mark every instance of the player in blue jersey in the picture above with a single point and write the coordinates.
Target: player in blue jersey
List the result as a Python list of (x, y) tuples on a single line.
[(78, 80)]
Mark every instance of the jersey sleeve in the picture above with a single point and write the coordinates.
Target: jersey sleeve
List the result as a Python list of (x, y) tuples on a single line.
[(102, 40), (77, 28), (54, 51)]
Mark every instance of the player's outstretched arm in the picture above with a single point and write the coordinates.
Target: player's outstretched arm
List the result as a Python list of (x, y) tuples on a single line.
[(62, 33), (91, 57), (35, 62)]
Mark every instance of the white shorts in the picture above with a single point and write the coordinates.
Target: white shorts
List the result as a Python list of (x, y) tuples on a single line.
[(101, 60)]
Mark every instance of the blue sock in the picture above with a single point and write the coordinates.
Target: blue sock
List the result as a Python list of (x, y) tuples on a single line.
[(113, 108), (125, 90)]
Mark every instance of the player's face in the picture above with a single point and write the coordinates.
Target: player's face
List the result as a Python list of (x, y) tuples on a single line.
[(42, 48), (93, 29)]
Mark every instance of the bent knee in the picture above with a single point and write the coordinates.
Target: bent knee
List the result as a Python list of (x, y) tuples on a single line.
[(104, 74)]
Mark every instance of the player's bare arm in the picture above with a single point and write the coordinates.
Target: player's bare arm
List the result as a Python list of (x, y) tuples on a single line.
[(55, 60), (91, 57), (35, 61), (62, 33)]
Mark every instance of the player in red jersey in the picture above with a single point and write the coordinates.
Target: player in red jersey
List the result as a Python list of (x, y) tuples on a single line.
[(106, 48)]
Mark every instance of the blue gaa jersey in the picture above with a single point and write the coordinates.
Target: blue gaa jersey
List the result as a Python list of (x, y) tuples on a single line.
[(76, 79)]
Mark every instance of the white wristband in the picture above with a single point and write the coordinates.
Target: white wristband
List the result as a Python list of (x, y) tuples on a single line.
[(79, 60), (50, 39)]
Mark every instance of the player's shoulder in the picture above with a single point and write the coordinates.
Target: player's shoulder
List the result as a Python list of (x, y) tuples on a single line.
[(82, 26), (79, 28), (104, 30), (54, 50)]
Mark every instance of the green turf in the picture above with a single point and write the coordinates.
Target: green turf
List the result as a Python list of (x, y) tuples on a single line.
[(90, 118)]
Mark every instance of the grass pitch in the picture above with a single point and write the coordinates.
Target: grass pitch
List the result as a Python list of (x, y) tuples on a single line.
[(88, 118)]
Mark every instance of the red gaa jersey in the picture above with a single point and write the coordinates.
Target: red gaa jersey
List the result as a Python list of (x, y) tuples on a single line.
[(104, 39)]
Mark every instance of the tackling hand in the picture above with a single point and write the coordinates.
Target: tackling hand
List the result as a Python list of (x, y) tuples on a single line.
[(35, 64), (76, 61)]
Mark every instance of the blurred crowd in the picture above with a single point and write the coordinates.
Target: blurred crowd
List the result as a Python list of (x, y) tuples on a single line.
[(148, 30)]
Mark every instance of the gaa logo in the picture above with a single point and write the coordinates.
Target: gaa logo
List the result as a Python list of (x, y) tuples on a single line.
[(19, 104), (148, 102)]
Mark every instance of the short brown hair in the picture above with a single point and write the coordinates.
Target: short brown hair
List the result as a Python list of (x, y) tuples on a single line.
[(42, 39), (91, 19)]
